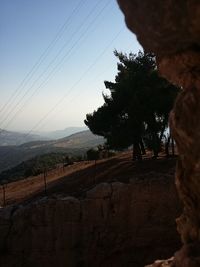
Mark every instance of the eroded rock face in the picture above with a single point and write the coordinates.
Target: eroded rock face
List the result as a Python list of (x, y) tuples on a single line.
[(185, 124), (163, 263), (171, 29), (113, 225), (164, 27)]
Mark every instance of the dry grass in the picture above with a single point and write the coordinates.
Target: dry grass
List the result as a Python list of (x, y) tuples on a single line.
[(77, 178)]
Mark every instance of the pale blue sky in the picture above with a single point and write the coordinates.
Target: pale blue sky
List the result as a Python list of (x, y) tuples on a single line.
[(68, 82)]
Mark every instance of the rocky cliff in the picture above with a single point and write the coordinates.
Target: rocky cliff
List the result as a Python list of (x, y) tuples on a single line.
[(113, 224), (171, 30)]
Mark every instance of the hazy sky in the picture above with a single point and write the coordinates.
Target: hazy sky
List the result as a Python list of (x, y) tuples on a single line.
[(55, 56)]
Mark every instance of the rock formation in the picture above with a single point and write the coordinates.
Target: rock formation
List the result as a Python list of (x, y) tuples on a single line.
[(114, 224), (171, 29)]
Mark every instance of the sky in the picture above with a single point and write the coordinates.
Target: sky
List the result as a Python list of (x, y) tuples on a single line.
[(55, 56)]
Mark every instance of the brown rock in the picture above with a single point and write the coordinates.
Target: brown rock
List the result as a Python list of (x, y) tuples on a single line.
[(188, 256), (171, 29), (114, 225), (164, 27), (163, 263)]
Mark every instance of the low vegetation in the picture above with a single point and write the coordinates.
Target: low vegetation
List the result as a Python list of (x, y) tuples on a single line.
[(74, 145), (37, 165)]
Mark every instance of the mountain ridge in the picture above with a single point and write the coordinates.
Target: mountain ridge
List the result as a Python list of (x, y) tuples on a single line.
[(76, 144), (57, 134), (10, 138)]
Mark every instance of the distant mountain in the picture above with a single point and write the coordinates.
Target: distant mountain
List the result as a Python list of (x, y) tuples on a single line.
[(83, 139), (62, 133), (75, 144), (12, 138), (9, 138)]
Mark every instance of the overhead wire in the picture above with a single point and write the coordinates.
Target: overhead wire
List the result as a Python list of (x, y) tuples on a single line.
[(56, 67), (44, 82), (97, 59), (72, 87), (75, 84), (43, 56)]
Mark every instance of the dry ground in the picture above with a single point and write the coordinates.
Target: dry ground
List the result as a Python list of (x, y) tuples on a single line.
[(79, 177)]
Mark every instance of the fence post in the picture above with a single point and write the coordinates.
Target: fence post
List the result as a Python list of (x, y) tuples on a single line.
[(95, 170), (45, 181), (63, 165), (4, 195)]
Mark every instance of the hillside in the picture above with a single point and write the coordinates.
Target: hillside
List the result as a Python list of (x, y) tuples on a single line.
[(76, 144), (118, 213), (10, 138), (34, 166), (13, 138), (83, 139), (76, 178), (80, 140), (62, 133)]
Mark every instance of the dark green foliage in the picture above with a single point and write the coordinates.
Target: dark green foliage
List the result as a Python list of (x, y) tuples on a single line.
[(37, 165), (137, 107), (100, 152), (68, 160), (93, 154)]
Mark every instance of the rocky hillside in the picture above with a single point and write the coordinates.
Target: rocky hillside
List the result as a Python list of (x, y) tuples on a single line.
[(76, 144), (117, 222)]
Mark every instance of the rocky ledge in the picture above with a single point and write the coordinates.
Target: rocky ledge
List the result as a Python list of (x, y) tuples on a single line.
[(114, 224)]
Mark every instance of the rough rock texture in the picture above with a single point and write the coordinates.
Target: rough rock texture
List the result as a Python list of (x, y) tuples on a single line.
[(115, 224), (162, 263), (164, 27), (171, 29), (188, 256)]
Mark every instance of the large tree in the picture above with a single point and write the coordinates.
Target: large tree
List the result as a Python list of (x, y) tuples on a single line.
[(137, 107)]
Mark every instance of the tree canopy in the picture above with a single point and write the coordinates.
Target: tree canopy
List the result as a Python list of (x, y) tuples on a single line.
[(136, 110)]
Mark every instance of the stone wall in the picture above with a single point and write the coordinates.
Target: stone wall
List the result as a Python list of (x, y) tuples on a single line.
[(113, 224)]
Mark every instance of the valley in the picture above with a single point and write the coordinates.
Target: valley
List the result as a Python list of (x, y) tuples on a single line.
[(75, 145)]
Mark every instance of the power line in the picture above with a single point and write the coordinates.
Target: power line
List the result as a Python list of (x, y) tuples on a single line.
[(76, 83), (55, 69), (98, 75), (41, 59), (49, 65), (93, 80)]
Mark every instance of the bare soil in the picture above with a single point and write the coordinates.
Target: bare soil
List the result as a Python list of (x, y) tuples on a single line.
[(79, 177)]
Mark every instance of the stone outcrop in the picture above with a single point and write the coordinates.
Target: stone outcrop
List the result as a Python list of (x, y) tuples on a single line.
[(165, 27), (171, 29), (114, 224), (162, 263)]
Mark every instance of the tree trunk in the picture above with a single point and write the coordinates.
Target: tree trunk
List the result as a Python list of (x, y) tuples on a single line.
[(163, 129), (167, 146), (155, 145), (142, 147), (136, 151)]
